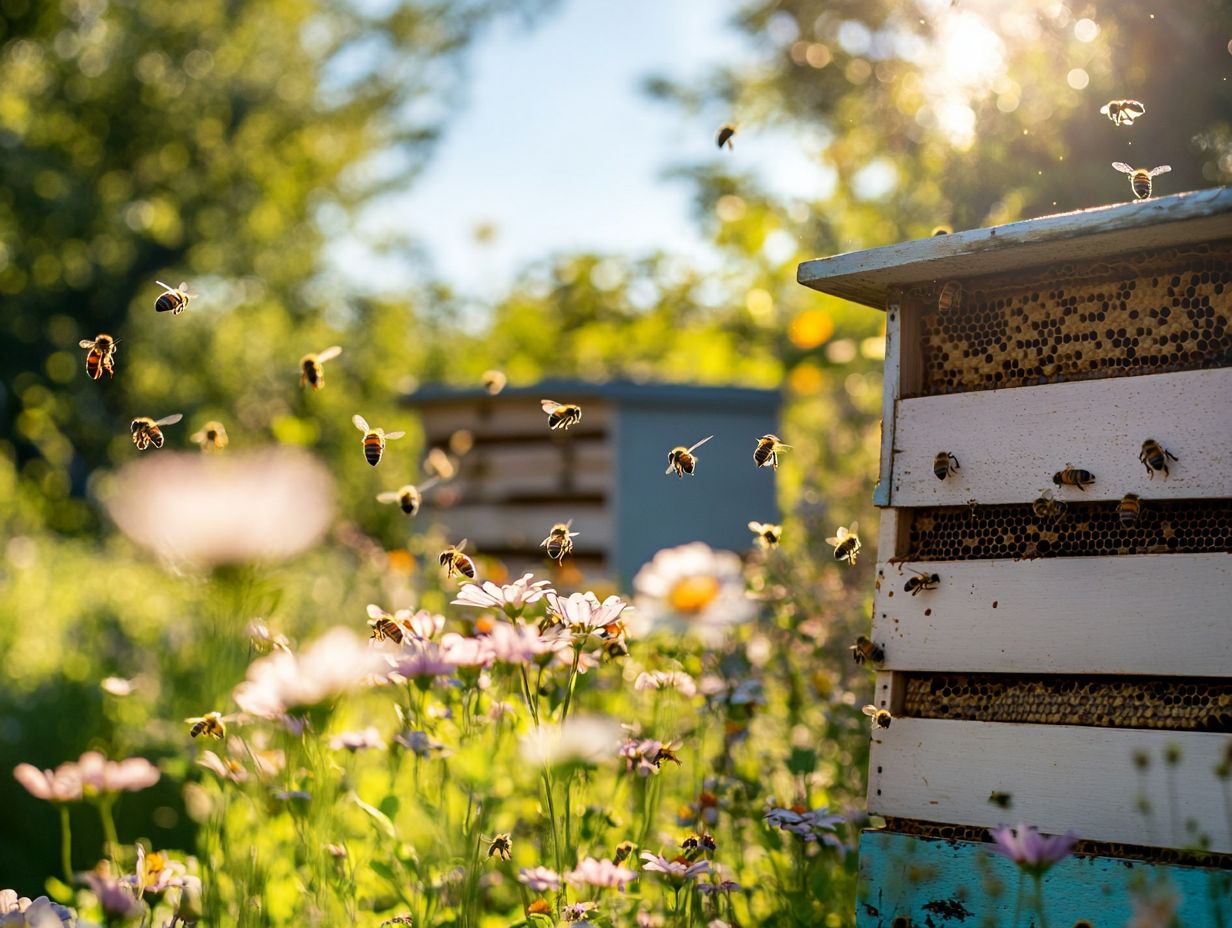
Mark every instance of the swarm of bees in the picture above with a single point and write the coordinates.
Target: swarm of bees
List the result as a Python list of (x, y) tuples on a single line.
[(559, 541), (846, 543), (682, 460)]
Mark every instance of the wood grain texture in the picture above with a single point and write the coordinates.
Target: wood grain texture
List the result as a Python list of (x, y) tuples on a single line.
[(932, 882), (891, 391), (1009, 443), (1158, 614), (867, 276), (1059, 777)]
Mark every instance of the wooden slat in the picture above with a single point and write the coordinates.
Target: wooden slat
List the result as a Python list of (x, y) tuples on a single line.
[(1155, 614), (1009, 443), (523, 527), (924, 880), (507, 416), (1059, 778), (496, 472)]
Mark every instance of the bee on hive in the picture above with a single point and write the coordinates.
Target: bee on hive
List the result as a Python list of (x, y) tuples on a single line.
[(950, 296), (211, 437), (944, 464), (1000, 800), (455, 562), (147, 431), (559, 541), (311, 369), (1073, 477), (724, 135), (866, 651), (846, 543), (1045, 507), (767, 451), (173, 300), (881, 718), (1140, 178), (101, 355), (1129, 509), (374, 439), (921, 582), (1154, 457), (561, 415), (1122, 112), (682, 460), (409, 497), (767, 535)]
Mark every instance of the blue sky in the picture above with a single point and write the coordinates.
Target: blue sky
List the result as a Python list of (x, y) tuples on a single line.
[(557, 146)]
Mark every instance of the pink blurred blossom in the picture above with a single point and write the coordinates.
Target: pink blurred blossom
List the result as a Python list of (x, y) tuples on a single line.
[(603, 873), (539, 879), (664, 679), (1033, 852), (357, 740), (583, 612), (675, 870), (512, 598)]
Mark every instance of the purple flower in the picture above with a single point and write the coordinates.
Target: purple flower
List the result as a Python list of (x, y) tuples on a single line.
[(602, 873), (539, 879), (1032, 851), (19, 911), (114, 896), (418, 743), (60, 785), (805, 824), (677, 870), (357, 740)]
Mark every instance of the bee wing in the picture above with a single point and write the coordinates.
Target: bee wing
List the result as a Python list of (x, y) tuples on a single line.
[(183, 287), (390, 496), (428, 484), (164, 286), (1162, 169), (195, 719), (329, 353), (756, 527), (699, 444), (671, 467), (360, 423), (390, 436), (870, 711), (171, 419), (376, 612), (1104, 109), (86, 343), (460, 546), (549, 406), (1122, 167), (836, 540), (852, 530)]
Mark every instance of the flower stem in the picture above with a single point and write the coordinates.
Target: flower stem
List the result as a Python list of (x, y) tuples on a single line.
[(1039, 899), (573, 675), (110, 837), (66, 845)]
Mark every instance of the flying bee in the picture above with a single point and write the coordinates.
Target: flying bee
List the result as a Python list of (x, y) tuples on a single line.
[(374, 439), (409, 497), (500, 846), (311, 367), (147, 431), (921, 582), (724, 135), (493, 381), (1000, 799), (866, 651), (1129, 509), (383, 626), (881, 718), (212, 724), (561, 415), (1045, 507), (1122, 112), (440, 464), (950, 296), (768, 535), (767, 451), (101, 355), (846, 544), (623, 850), (681, 460), (1140, 178), (1073, 477), (455, 562), (173, 300), (944, 464), (559, 541), (1154, 457), (211, 437)]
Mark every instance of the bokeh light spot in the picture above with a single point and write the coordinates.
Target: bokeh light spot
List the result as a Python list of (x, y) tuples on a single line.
[(1078, 78), (811, 328)]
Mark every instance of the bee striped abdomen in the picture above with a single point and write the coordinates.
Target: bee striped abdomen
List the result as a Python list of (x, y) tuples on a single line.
[(94, 364), (1141, 181), (374, 445), (156, 436)]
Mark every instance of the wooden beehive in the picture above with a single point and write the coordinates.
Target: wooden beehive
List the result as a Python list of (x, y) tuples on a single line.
[(1078, 666), (605, 473)]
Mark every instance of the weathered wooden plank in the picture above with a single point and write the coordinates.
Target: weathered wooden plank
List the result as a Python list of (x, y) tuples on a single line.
[(502, 417), (1158, 614), (1059, 777), (867, 276), (497, 472), (900, 332), (523, 527), (1009, 443), (941, 883)]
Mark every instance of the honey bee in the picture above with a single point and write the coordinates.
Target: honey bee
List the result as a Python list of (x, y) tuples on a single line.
[(881, 718), (623, 850), (311, 367), (1129, 509), (440, 464), (409, 497), (493, 381), (383, 626), (846, 544), (1000, 799), (173, 300), (1140, 178), (455, 562), (1045, 507), (950, 296), (866, 651), (944, 464), (101, 355), (561, 415), (681, 460), (1073, 477), (1154, 457), (921, 582), (724, 135), (559, 541), (767, 451), (1122, 112), (768, 535), (500, 846), (211, 437), (212, 724), (374, 439), (147, 431)]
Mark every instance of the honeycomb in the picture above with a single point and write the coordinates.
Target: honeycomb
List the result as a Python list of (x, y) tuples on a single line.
[(1165, 855), (1103, 702), (959, 533), (1144, 313)]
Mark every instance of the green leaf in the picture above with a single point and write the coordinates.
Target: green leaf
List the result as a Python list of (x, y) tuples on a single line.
[(379, 818)]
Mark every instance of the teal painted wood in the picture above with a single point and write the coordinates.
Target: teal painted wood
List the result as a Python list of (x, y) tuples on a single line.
[(961, 884)]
